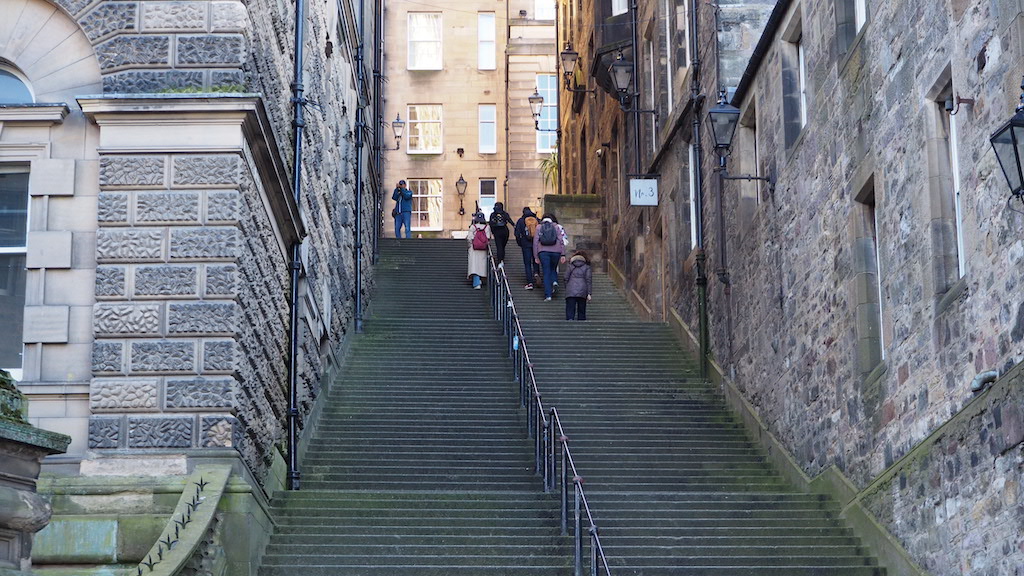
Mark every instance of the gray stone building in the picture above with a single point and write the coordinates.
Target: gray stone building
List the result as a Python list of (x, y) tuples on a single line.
[(869, 274), (150, 226)]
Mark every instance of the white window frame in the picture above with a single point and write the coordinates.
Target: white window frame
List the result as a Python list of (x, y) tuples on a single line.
[(487, 46), (543, 10), (953, 140), (487, 130), (547, 140), (878, 276), (418, 47), (653, 95), (693, 196), (620, 7), (802, 77), (427, 199), (20, 250), (860, 14), (415, 125), (667, 6), (487, 201)]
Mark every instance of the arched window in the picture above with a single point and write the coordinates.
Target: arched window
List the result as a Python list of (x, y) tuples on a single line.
[(13, 89)]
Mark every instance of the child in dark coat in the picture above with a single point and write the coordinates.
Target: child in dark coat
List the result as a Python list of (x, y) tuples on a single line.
[(579, 284)]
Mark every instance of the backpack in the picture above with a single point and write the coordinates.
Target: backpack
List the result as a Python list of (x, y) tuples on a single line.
[(548, 234), (531, 227), (498, 220), (480, 239)]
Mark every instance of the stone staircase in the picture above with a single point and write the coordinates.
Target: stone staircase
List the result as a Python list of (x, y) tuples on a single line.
[(674, 482), (420, 465)]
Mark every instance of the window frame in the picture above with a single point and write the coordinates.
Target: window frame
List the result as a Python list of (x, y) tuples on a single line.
[(414, 126), (546, 136), (692, 165), (486, 60), (15, 251), (414, 45), (491, 145), (435, 191), (619, 7)]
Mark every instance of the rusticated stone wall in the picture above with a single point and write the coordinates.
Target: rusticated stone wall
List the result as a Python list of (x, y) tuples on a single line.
[(182, 262)]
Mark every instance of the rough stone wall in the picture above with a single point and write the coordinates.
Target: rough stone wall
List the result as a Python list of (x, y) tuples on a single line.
[(962, 489), (795, 346)]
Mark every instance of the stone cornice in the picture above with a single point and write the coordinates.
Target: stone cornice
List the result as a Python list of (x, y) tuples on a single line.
[(35, 113), (199, 123)]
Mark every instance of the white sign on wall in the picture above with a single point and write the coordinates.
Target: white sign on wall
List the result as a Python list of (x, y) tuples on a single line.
[(643, 192)]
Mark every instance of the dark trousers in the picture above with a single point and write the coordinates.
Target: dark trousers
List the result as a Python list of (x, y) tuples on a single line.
[(549, 270), (531, 266), (500, 240), (575, 307)]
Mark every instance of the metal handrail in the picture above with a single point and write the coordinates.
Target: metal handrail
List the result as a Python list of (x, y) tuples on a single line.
[(542, 426)]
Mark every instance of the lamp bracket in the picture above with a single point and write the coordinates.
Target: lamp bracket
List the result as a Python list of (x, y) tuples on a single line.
[(750, 177)]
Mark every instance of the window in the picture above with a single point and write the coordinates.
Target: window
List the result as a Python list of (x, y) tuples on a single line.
[(746, 148), (425, 41), (651, 94), (619, 7), (423, 130), (949, 175), (544, 10), (427, 203), (867, 281), (488, 195), (802, 79), (683, 26), (485, 41), (547, 136), (13, 88), (488, 129), (692, 164), (13, 240), (667, 47), (794, 82), (851, 16)]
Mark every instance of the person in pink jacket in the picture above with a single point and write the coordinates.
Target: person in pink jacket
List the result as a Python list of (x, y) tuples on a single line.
[(549, 252)]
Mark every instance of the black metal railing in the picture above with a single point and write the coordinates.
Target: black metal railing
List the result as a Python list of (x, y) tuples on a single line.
[(545, 428)]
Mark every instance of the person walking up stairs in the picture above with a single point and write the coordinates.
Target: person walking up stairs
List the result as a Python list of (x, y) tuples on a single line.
[(420, 464)]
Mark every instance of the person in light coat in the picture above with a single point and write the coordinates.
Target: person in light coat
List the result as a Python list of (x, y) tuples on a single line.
[(477, 269)]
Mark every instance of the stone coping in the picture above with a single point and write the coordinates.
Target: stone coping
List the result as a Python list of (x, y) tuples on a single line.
[(49, 442)]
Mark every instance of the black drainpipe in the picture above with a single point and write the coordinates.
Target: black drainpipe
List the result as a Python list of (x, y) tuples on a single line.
[(378, 131), (360, 128), (702, 279), (298, 100)]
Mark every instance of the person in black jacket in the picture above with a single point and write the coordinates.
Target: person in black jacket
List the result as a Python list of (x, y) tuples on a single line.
[(524, 230), (499, 229)]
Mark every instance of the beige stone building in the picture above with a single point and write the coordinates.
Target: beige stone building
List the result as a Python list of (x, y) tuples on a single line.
[(458, 75)]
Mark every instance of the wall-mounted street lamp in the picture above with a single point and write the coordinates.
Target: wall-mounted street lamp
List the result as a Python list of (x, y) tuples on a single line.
[(536, 106), (621, 72), (398, 127), (1008, 143), (569, 59), (722, 120), (460, 187)]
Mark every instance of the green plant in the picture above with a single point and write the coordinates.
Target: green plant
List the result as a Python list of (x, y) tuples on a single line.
[(11, 400), (549, 169)]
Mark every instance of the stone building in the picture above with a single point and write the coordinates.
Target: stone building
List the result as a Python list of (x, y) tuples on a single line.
[(150, 221), (459, 76), (869, 274)]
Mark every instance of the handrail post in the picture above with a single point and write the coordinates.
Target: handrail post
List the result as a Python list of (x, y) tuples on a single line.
[(593, 550), (564, 481), (578, 530)]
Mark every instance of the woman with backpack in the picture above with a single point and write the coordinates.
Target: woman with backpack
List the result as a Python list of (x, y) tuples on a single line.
[(524, 230), (478, 238), (499, 229), (549, 252)]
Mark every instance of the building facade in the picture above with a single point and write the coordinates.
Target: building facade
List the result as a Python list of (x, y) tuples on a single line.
[(157, 232), (459, 77), (848, 294)]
